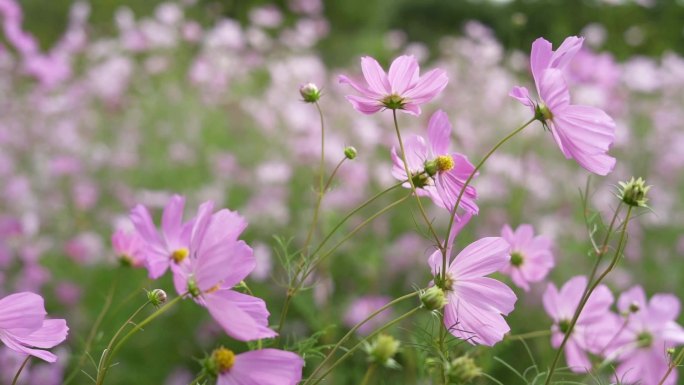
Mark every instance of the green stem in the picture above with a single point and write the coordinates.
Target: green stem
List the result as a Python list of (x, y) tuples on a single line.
[(105, 359), (428, 222), (592, 287), (524, 336), (356, 327), (361, 343), (369, 374), (677, 361), (198, 379), (321, 176), (136, 328), (94, 329), (21, 369)]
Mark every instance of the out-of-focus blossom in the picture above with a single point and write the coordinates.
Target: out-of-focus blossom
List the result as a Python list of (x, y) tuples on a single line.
[(531, 257), (400, 89), (364, 306), (594, 328)]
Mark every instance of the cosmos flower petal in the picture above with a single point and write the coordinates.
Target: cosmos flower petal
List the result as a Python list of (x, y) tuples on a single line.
[(403, 73), (22, 310), (439, 133), (375, 76), (480, 258), (264, 367), (428, 87)]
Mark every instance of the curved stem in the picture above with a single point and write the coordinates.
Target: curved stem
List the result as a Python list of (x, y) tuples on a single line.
[(321, 189), (96, 326), (136, 328), (677, 361), (103, 366), (356, 327), (592, 287), (428, 222), (21, 369), (369, 374), (357, 346)]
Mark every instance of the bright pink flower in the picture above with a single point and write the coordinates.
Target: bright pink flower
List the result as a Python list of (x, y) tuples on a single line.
[(258, 367), (476, 303), (129, 247), (436, 172), (531, 257), (217, 262), (400, 89), (594, 328), (171, 247), (641, 346), (24, 329), (583, 133)]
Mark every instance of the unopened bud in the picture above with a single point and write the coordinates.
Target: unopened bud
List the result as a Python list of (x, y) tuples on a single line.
[(634, 192), (463, 370), (433, 298), (350, 152), (157, 297), (310, 93), (382, 350)]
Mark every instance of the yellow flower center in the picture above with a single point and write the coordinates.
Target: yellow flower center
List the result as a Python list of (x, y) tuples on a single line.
[(445, 162), (180, 254), (224, 359)]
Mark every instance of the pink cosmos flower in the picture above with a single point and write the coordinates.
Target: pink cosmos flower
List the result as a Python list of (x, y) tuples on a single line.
[(217, 262), (257, 367), (362, 307), (171, 247), (476, 303), (641, 346), (400, 89), (436, 172), (531, 257), (583, 133), (594, 328), (129, 247), (24, 329)]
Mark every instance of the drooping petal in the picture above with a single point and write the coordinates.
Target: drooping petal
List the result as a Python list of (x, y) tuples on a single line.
[(480, 258), (22, 310), (225, 263), (403, 73), (375, 76), (200, 226), (241, 316), (522, 95), (468, 321), (566, 52), (360, 88), (13, 343), (428, 86), (50, 334), (411, 108), (364, 105), (439, 133), (487, 292)]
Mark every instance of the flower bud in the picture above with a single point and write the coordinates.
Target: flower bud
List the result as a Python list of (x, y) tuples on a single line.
[(463, 370), (382, 350), (157, 297), (633, 192), (350, 152), (310, 93), (433, 298)]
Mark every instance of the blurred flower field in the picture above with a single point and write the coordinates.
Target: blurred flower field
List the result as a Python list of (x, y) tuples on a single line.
[(100, 129)]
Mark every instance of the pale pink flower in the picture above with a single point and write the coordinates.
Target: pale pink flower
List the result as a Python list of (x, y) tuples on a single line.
[(170, 248), (476, 303), (24, 328), (364, 306), (583, 133), (262, 367), (531, 257), (595, 325), (129, 247), (436, 172), (217, 262), (400, 89), (651, 328)]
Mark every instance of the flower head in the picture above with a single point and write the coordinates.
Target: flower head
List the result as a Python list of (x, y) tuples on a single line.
[(400, 89), (595, 325), (583, 133), (476, 303), (128, 247), (435, 171), (651, 329), (634, 192), (263, 367), (531, 257), (24, 328)]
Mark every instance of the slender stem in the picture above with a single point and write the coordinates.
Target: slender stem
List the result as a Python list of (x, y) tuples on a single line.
[(592, 287), (357, 346), (428, 222), (321, 177), (356, 327), (94, 329), (369, 374), (21, 369), (104, 361), (136, 328), (198, 379), (524, 336), (677, 361), (467, 183)]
